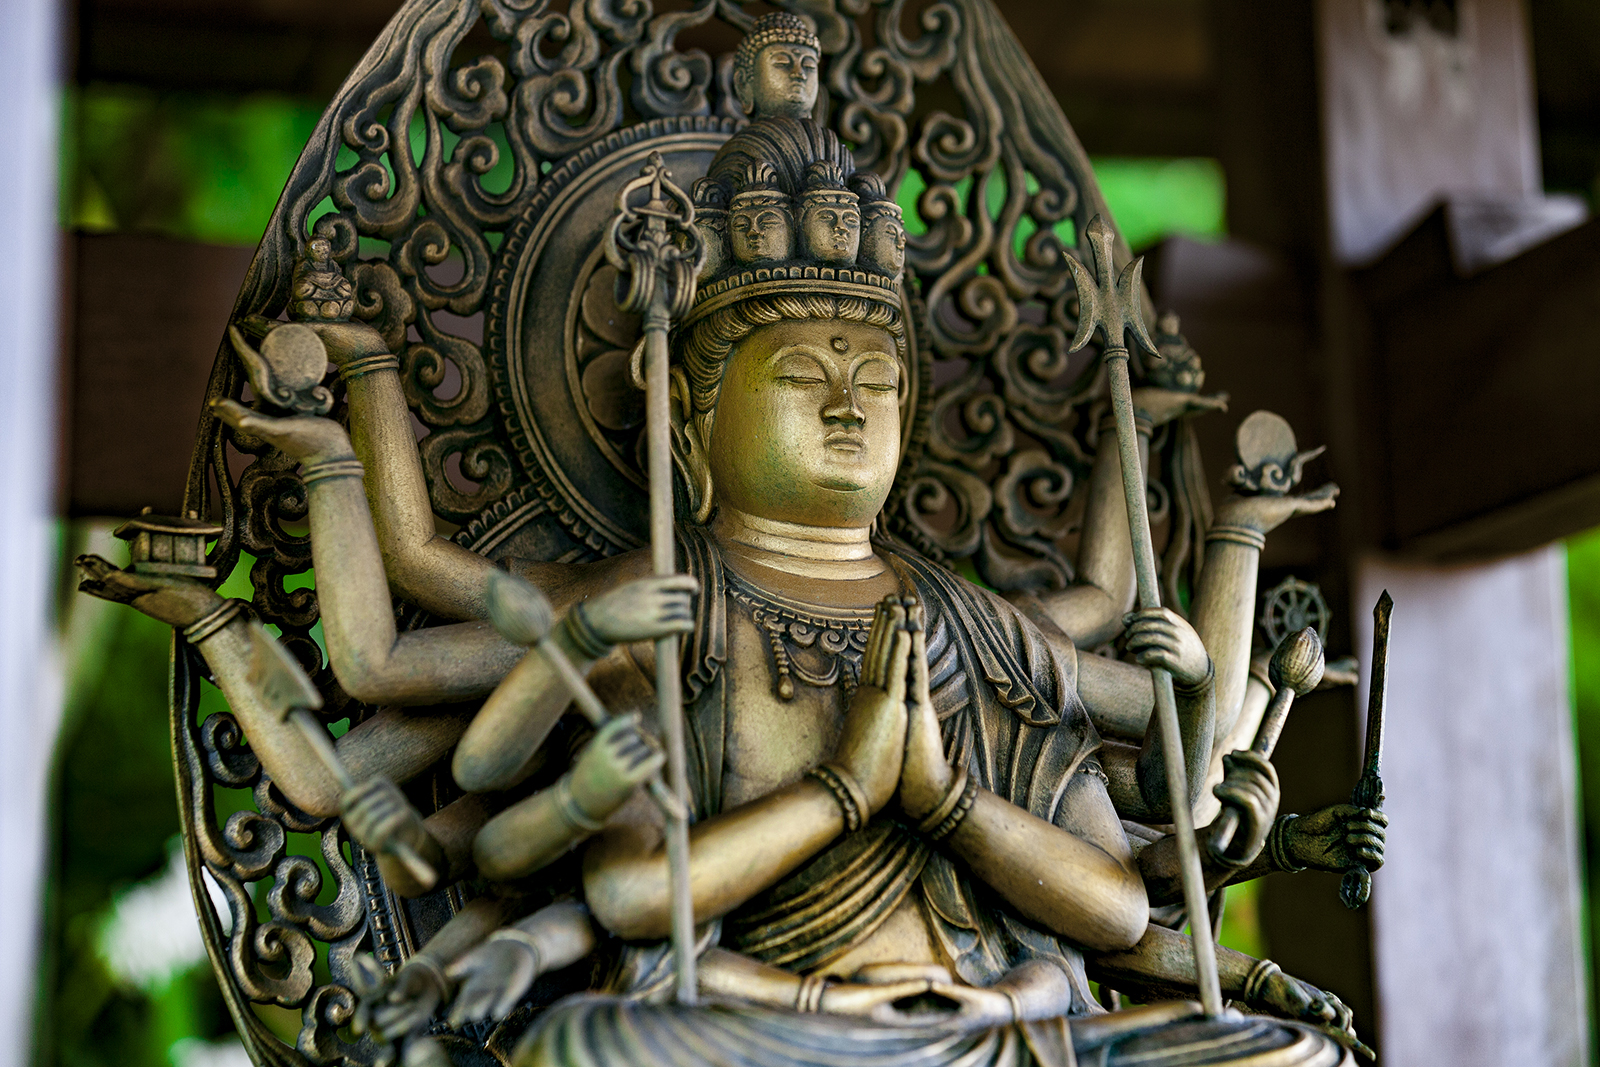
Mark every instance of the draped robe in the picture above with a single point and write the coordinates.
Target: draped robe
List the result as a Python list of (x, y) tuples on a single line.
[(1008, 710)]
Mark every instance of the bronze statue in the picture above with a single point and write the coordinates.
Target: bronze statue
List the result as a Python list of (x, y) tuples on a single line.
[(924, 816)]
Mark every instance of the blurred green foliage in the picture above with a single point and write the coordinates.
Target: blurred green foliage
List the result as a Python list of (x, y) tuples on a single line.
[(1583, 597), (201, 166)]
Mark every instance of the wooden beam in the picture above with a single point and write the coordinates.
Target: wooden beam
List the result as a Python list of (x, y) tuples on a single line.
[(1484, 437), (149, 313)]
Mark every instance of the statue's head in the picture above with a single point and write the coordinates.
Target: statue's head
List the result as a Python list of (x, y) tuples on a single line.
[(790, 366), (760, 219), (787, 402), (830, 216), (883, 230), (775, 67)]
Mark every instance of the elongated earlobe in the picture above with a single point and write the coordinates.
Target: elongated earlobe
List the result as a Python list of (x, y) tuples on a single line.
[(691, 437)]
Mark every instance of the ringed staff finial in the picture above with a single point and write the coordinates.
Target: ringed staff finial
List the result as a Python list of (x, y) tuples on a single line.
[(1110, 304), (653, 244), (657, 252)]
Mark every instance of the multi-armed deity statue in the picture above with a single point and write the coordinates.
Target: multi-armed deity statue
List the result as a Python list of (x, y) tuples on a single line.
[(924, 817)]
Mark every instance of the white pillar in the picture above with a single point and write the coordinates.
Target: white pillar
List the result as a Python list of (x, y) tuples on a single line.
[(1476, 913), (29, 679)]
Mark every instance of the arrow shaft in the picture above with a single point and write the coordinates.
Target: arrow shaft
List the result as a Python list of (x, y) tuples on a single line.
[(1166, 709)]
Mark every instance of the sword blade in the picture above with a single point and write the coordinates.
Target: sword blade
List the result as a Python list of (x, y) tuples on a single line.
[(1378, 690)]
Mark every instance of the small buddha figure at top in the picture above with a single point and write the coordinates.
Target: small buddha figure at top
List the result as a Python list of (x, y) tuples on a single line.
[(760, 220), (777, 80), (830, 216), (775, 68)]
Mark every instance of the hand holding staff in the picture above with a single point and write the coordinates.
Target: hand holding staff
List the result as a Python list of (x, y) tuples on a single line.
[(657, 253)]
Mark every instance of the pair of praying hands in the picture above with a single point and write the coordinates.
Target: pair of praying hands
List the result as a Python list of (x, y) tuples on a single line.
[(891, 745)]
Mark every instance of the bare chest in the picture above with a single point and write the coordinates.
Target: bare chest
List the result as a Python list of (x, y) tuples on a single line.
[(772, 740)]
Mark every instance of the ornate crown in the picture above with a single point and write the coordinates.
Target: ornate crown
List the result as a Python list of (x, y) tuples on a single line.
[(761, 241)]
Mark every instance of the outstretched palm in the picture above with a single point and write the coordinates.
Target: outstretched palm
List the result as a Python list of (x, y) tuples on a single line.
[(1266, 513)]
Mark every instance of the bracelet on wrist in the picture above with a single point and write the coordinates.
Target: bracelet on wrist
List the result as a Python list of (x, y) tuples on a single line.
[(1257, 978), (571, 810), (343, 467), (1242, 535), (213, 620), (947, 803), (358, 368), (585, 638), (1015, 1001), (808, 998), (430, 966), (846, 791), (947, 825), (1278, 848), (1199, 687)]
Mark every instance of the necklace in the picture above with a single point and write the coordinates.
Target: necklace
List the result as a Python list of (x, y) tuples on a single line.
[(820, 650)]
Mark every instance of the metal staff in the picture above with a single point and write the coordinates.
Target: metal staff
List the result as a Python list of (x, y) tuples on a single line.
[(283, 686), (1356, 885), (657, 253), (1111, 305), (1296, 669)]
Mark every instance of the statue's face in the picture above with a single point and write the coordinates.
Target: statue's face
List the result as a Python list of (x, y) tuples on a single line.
[(760, 233), (785, 81), (807, 426), (832, 231), (884, 243)]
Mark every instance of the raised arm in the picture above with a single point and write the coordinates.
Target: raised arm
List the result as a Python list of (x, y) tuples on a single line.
[(1090, 611), (427, 570), (373, 662)]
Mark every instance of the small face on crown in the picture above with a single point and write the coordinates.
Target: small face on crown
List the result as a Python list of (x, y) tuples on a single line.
[(883, 241), (831, 228), (760, 229)]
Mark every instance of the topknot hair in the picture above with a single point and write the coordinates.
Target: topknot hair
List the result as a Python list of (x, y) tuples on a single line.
[(778, 27)]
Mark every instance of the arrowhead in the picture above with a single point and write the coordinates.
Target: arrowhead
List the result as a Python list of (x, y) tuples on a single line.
[(520, 611), (277, 677)]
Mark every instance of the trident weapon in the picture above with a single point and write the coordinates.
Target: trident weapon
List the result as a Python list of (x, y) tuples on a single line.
[(1356, 885), (283, 686), (657, 253), (1295, 670), (1111, 305)]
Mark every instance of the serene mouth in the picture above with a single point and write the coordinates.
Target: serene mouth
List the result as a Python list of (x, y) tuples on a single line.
[(845, 441)]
